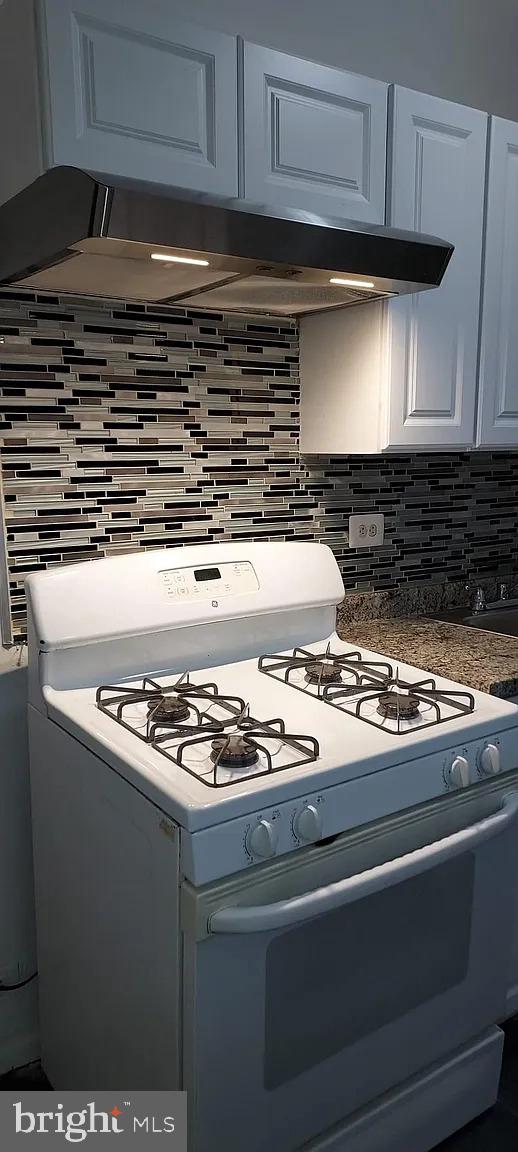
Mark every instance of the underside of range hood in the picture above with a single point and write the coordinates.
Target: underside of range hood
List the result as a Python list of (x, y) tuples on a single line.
[(74, 232)]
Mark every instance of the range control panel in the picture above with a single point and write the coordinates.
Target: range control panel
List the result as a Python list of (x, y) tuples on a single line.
[(210, 583)]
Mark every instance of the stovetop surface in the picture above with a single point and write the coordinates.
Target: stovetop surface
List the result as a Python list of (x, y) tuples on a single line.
[(348, 747)]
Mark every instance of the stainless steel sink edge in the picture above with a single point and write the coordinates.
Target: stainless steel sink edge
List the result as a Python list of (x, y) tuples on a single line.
[(498, 620)]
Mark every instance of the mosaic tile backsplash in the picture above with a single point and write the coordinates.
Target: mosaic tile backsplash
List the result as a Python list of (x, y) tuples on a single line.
[(131, 426)]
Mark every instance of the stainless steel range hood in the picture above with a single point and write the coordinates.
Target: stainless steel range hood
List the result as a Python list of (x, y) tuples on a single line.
[(72, 231)]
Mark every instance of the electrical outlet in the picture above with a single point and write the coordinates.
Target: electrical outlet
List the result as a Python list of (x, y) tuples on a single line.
[(366, 530)]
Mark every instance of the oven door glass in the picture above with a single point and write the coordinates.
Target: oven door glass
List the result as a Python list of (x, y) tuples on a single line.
[(292, 1024), (373, 962)]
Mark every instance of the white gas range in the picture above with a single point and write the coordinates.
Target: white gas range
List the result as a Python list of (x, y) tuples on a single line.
[(262, 805)]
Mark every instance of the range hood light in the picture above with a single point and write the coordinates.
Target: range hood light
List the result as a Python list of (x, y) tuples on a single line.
[(166, 259), (348, 283)]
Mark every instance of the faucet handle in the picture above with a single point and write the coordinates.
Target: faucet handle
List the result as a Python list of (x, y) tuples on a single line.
[(479, 600)]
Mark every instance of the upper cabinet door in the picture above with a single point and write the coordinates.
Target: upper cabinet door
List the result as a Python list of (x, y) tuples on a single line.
[(437, 186), (498, 392), (314, 138), (132, 93)]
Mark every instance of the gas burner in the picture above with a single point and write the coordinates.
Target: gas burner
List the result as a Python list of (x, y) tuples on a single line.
[(209, 735), (243, 747), (234, 751), (324, 671), (171, 708), (398, 705), (315, 672), (181, 707)]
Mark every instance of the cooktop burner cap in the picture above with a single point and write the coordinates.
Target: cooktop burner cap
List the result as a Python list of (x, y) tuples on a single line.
[(234, 751), (169, 708), (323, 671), (398, 705)]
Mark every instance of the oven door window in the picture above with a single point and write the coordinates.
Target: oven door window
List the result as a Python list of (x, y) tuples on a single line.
[(337, 979)]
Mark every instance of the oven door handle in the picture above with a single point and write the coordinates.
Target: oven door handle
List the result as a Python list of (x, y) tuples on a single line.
[(267, 917)]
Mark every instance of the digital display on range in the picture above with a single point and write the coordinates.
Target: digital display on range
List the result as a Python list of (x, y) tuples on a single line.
[(202, 574)]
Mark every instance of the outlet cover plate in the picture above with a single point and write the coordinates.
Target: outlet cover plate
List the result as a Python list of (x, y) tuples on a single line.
[(366, 530)]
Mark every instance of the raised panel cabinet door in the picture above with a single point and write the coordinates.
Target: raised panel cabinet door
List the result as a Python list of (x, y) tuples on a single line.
[(314, 138), (437, 184), (498, 381), (133, 93)]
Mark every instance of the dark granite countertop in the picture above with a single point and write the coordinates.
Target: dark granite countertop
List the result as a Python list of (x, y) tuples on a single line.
[(482, 660)]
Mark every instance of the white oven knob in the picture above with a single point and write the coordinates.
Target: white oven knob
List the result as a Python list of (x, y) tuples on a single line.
[(262, 840), (307, 824), (459, 772), (489, 760)]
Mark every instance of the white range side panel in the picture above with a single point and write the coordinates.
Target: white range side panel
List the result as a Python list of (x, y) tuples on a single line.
[(106, 877), (498, 381), (19, 1028), (133, 93), (313, 137), (436, 186)]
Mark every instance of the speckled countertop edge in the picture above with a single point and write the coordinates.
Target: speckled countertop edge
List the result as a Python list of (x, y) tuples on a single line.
[(486, 661)]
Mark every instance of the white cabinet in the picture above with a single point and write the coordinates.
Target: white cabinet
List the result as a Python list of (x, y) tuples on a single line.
[(126, 90), (437, 186), (123, 89), (314, 137), (404, 374), (498, 390), (132, 93)]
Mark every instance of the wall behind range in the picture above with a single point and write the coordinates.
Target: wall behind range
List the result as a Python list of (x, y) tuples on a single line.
[(129, 426)]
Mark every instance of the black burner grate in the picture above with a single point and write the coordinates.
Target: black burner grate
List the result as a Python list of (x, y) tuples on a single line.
[(321, 669), (350, 683), (408, 717), (116, 701), (234, 741)]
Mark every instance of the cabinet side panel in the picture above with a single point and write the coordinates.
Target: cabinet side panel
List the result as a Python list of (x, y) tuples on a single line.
[(20, 127), (106, 879), (340, 367)]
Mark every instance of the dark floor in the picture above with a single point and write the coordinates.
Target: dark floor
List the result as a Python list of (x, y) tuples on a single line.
[(495, 1131)]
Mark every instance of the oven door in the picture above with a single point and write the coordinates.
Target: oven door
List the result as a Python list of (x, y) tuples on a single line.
[(313, 985)]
